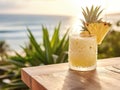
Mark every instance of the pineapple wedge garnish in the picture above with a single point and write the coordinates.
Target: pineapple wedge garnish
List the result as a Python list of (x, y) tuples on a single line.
[(99, 29), (93, 24)]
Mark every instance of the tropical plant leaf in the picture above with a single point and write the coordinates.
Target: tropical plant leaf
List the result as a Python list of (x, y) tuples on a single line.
[(47, 45), (55, 38), (36, 45), (61, 43)]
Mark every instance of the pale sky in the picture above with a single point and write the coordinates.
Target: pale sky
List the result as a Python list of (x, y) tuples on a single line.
[(55, 7)]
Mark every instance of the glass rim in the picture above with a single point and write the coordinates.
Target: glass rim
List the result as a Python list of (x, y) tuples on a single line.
[(80, 35)]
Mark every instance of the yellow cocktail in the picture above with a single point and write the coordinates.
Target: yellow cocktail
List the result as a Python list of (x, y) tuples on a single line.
[(82, 52), (83, 47)]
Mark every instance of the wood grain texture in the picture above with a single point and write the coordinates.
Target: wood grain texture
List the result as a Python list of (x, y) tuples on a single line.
[(59, 77)]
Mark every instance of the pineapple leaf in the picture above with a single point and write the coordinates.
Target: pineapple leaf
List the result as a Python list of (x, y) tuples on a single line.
[(99, 14), (91, 15), (88, 14), (84, 14)]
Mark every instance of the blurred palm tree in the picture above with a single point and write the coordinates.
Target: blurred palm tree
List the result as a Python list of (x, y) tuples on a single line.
[(4, 47)]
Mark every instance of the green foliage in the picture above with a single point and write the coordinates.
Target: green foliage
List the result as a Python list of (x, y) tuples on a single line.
[(3, 50), (110, 46), (51, 51)]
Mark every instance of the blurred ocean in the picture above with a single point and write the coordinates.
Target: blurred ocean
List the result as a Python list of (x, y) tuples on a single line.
[(13, 28)]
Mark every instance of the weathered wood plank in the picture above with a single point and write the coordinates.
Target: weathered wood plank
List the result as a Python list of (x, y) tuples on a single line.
[(59, 77)]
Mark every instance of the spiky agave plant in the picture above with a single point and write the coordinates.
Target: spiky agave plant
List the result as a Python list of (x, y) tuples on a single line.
[(50, 51)]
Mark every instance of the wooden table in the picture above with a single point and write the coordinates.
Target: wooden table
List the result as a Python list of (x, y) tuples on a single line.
[(59, 77)]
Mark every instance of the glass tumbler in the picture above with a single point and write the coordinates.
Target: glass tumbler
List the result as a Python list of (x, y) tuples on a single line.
[(82, 53)]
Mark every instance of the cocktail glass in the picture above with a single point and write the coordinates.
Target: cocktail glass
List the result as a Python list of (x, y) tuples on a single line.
[(82, 52)]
